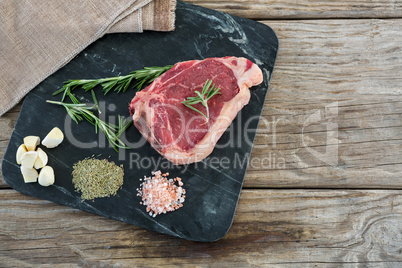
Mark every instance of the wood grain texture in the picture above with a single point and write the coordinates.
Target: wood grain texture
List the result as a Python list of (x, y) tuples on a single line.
[(333, 113), (286, 228), (305, 9), (332, 119)]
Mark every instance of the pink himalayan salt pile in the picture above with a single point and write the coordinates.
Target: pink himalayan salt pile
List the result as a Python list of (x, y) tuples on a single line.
[(160, 194)]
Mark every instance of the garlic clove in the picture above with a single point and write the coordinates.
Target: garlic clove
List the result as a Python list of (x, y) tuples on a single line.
[(54, 138), (29, 174), (28, 159), (31, 142), (41, 159), (20, 151), (46, 176)]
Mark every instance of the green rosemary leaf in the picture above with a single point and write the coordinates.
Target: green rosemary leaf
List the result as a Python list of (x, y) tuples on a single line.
[(123, 125), (87, 84), (117, 83), (94, 97), (73, 99), (127, 84), (193, 102), (207, 92), (66, 92), (206, 87), (77, 111), (119, 87), (76, 118), (59, 91), (107, 86)]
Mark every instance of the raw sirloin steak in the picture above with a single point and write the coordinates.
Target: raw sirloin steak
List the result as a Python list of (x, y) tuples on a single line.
[(179, 133)]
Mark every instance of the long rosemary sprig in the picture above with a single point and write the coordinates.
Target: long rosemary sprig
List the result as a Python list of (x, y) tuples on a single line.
[(118, 83), (203, 97), (78, 111)]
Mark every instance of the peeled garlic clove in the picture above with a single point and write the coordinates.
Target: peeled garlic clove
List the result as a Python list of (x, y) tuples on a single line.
[(20, 151), (41, 159), (28, 159), (31, 142), (46, 176), (54, 138), (29, 174)]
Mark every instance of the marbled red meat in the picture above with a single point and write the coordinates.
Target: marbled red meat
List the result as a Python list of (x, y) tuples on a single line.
[(179, 133)]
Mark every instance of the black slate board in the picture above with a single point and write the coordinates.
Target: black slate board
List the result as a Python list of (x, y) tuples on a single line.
[(213, 186)]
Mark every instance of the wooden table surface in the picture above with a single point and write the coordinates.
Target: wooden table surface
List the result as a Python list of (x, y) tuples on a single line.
[(324, 187)]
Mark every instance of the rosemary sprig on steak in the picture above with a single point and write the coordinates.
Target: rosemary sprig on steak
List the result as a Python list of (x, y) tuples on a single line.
[(203, 97), (78, 111), (118, 83)]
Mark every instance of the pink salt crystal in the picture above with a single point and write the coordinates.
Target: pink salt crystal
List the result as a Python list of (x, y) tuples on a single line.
[(160, 194)]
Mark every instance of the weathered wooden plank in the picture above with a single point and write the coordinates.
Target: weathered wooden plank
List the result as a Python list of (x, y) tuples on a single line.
[(333, 115), (286, 9), (368, 146), (282, 227)]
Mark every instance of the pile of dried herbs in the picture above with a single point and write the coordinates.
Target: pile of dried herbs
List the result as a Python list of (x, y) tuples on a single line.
[(96, 178)]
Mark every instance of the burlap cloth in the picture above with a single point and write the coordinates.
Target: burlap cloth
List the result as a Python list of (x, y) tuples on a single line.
[(37, 37)]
